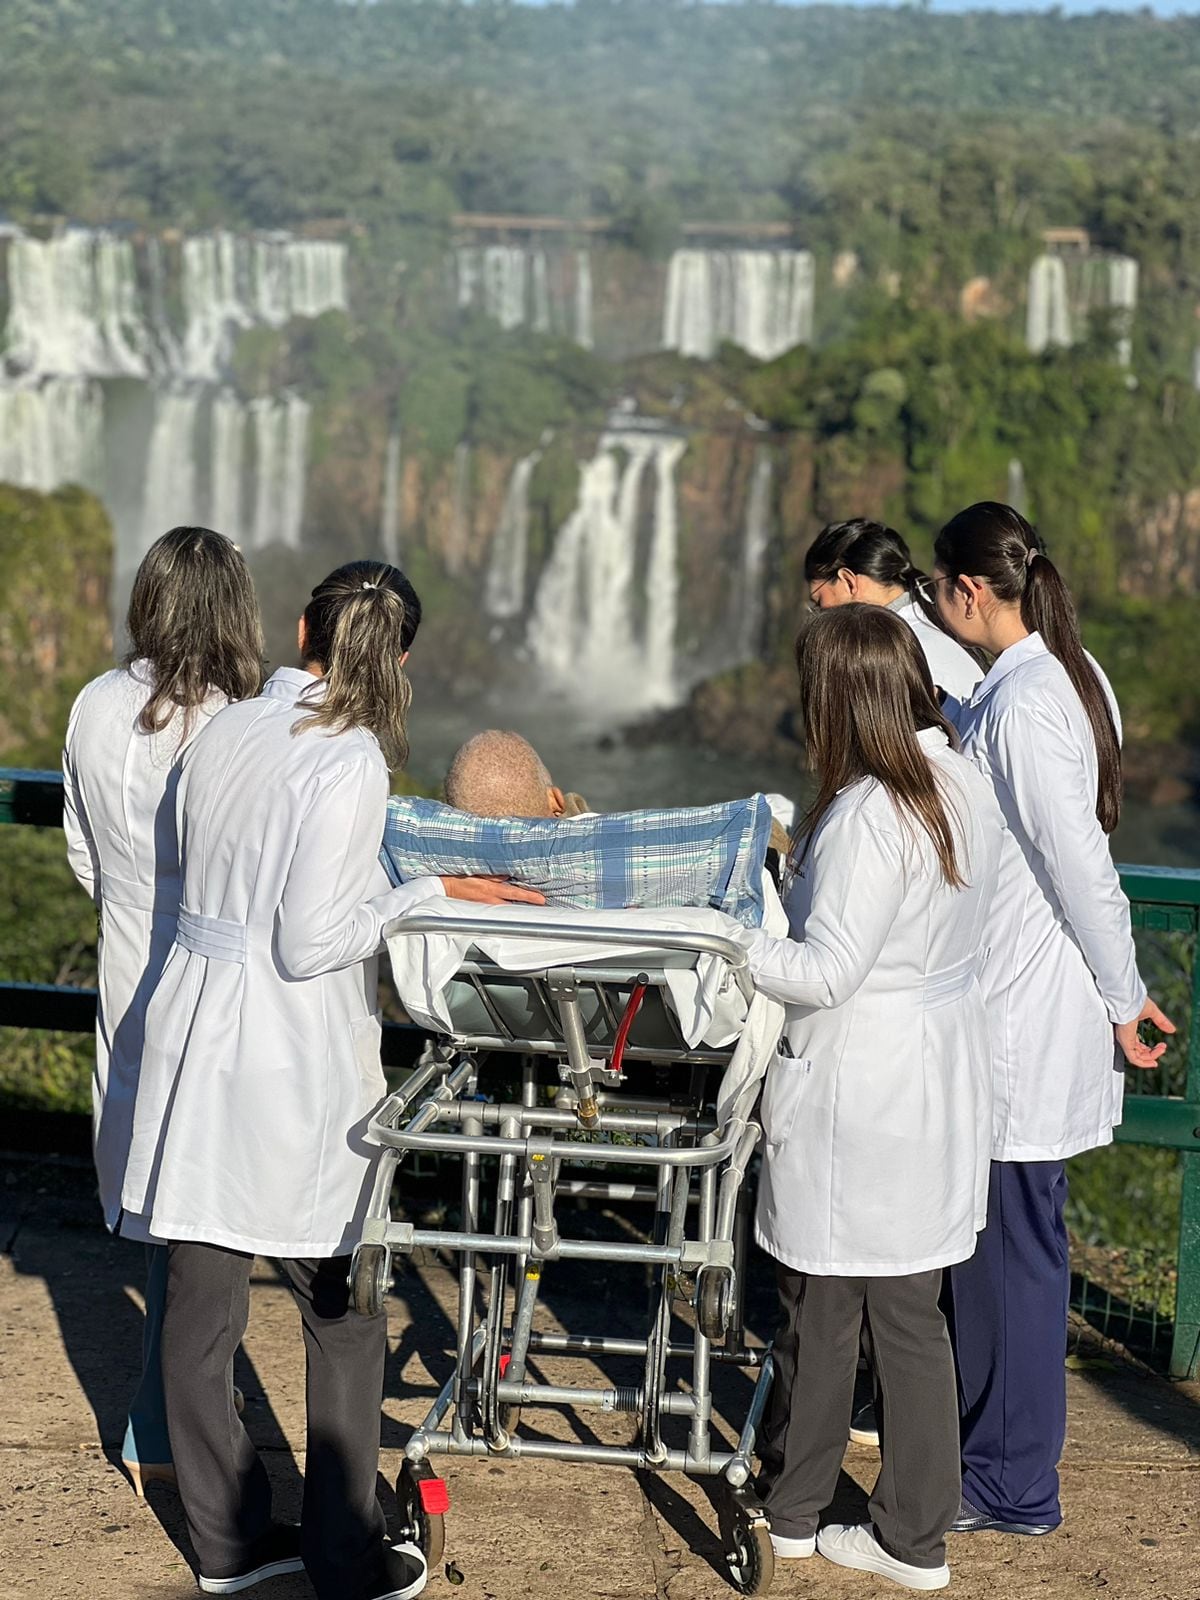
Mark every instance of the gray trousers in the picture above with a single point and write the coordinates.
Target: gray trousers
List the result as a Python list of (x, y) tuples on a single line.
[(916, 1495), (222, 1482)]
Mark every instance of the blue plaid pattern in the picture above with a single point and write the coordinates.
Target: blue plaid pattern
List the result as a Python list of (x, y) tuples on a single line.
[(695, 856)]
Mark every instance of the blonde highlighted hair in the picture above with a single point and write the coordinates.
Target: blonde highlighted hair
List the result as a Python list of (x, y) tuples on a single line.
[(359, 623), (193, 618)]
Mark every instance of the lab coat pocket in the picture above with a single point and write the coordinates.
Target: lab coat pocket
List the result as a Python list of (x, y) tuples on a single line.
[(366, 1034), (781, 1097)]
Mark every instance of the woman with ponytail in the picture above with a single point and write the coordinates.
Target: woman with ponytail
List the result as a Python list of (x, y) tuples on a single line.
[(870, 563), (261, 1071), (1064, 997)]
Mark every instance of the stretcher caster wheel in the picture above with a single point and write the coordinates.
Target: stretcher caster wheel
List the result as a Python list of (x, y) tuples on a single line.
[(746, 1541), (370, 1278), (714, 1303), (423, 1501)]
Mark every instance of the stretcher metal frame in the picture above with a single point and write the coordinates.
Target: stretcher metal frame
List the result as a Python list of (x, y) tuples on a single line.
[(591, 1019)]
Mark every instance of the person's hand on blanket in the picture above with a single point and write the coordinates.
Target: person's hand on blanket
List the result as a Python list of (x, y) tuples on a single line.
[(492, 892)]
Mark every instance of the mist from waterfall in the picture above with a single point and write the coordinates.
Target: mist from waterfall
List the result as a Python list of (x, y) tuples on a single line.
[(1018, 494), (1047, 311), (761, 300), (589, 623), (389, 515), (504, 586), (169, 489)]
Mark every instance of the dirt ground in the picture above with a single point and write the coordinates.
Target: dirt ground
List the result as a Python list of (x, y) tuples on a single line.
[(71, 1527)]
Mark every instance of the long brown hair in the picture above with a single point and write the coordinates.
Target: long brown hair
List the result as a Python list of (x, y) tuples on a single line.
[(194, 618), (865, 693), (358, 624), (995, 543)]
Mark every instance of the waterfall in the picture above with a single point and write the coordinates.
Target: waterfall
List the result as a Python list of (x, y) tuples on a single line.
[(504, 589), (662, 581), (583, 299), (755, 539), (460, 511), (51, 433), (225, 474), (1122, 297), (280, 467), (761, 300), (73, 307), (1047, 316), (524, 286), (541, 292), (588, 623), (1018, 497), (389, 516), (212, 304), (169, 497)]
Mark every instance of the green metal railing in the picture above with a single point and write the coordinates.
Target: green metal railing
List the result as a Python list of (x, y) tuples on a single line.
[(1161, 1112)]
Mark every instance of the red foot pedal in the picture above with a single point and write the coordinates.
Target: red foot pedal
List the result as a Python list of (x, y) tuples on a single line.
[(435, 1496), (505, 1363)]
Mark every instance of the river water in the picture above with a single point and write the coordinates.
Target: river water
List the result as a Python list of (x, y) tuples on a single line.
[(585, 755)]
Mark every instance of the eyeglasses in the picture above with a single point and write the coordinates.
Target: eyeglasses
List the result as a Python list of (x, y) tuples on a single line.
[(814, 591), (927, 587)]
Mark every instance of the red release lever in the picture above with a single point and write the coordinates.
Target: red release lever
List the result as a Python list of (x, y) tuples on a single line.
[(631, 1011), (435, 1496)]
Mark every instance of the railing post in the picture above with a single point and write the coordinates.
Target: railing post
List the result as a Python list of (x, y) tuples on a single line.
[(1185, 1345)]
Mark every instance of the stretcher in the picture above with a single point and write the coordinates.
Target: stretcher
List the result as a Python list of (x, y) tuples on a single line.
[(580, 1068)]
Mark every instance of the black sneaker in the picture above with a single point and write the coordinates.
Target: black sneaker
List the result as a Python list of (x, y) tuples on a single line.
[(971, 1520), (277, 1552), (405, 1573)]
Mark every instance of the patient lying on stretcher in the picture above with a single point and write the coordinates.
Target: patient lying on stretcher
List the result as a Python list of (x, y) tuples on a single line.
[(500, 774)]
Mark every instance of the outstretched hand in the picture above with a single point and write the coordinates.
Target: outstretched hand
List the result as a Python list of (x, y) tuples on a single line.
[(1136, 1053), (492, 892)]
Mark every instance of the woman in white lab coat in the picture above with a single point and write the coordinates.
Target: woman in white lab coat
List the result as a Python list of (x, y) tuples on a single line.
[(196, 644), (870, 563), (1064, 997), (261, 1071), (876, 1112)]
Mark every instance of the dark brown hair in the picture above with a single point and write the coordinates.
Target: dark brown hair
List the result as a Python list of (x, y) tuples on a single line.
[(358, 624), (994, 543), (865, 693), (194, 618)]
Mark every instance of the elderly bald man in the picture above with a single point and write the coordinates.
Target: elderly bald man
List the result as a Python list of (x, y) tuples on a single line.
[(500, 774)]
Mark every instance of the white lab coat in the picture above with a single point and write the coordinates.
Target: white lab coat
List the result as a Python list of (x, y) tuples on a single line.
[(877, 1126), (119, 819), (950, 666), (261, 1063), (1063, 967)]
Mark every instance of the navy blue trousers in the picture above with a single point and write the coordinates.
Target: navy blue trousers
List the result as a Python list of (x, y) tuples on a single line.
[(1008, 1325)]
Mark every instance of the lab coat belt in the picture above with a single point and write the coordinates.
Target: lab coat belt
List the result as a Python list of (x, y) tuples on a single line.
[(162, 897), (219, 938), (951, 982)]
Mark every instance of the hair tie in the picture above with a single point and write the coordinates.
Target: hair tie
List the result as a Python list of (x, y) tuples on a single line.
[(1031, 556), (367, 585)]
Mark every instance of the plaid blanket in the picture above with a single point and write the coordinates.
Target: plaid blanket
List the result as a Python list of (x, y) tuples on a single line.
[(694, 856)]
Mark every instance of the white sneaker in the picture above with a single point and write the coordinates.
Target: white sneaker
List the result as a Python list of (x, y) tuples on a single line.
[(855, 1545), (407, 1573), (794, 1549)]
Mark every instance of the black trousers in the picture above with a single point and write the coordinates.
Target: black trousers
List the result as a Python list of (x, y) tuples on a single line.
[(916, 1496), (222, 1482)]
